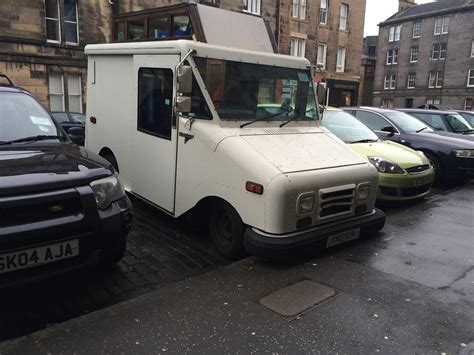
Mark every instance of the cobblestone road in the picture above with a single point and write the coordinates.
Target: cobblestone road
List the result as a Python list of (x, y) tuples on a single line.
[(160, 251)]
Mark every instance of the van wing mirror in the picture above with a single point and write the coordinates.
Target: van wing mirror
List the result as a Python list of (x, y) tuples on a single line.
[(321, 92), (183, 104), (185, 79)]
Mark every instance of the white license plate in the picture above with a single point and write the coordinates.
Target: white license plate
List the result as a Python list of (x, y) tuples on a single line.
[(342, 237), (423, 180), (23, 259)]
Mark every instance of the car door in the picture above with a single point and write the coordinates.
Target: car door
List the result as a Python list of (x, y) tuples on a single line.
[(155, 135), (378, 124)]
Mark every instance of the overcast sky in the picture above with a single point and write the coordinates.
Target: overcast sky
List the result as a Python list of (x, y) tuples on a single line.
[(380, 10)]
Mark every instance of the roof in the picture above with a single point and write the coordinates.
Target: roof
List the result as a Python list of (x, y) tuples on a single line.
[(421, 110), (429, 9), (202, 50), (374, 109)]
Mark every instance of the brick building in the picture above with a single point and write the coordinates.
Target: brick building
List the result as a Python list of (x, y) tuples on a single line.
[(426, 56), (42, 41)]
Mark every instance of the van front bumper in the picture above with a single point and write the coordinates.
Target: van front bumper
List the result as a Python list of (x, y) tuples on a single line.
[(288, 246)]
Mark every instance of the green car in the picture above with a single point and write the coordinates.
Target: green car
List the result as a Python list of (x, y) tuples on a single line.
[(404, 174)]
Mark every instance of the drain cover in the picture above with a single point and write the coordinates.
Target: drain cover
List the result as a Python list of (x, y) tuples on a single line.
[(293, 300)]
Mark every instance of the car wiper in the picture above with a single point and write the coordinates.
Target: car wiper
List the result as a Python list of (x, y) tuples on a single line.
[(263, 118), (294, 118), (365, 141), (421, 130), (467, 131), (31, 139)]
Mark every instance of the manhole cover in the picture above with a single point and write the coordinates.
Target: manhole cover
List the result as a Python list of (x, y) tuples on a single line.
[(293, 300)]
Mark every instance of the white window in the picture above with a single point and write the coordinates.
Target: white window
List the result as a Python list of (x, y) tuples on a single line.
[(470, 78), (435, 80), (298, 47), (344, 12), (74, 93), (387, 103), (411, 80), (390, 82), (298, 9), (56, 92), (322, 52), (394, 33), (252, 6), (472, 49), (392, 56), (53, 28), (386, 82), (323, 12), (441, 26), (393, 82), (468, 104), (341, 60), (433, 101), (438, 51), (417, 29), (414, 54), (70, 22)]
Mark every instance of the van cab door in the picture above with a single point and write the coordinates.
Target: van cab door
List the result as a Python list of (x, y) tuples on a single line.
[(155, 134)]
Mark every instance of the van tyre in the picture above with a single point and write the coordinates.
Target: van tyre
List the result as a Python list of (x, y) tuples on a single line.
[(438, 169), (227, 230)]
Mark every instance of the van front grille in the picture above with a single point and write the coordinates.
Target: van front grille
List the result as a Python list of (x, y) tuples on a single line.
[(336, 201)]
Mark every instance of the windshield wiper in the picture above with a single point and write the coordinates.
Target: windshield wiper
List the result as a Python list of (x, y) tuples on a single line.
[(264, 118), (467, 131), (31, 139), (294, 118), (420, 130), (365, 141)]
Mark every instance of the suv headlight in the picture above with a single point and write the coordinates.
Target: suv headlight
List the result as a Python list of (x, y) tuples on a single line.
[(305, 204), (386, 166), (363, 192), (107, 190), (464, 153)]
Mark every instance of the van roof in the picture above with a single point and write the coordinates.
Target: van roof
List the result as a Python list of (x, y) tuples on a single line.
[(202, 50)]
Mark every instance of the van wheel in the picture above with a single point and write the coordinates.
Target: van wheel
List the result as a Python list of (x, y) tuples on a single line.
[(438, 170), (111, 159), (227, 230)]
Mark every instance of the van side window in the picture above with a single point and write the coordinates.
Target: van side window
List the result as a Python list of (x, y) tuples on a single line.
[(155, 100), (373, 121)]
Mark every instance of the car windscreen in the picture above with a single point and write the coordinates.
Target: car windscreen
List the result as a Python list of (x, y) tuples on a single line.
[(245, 91), (22, 116), (469, 117), (407, 123), (458, 123), (347, 128), (60, 116)]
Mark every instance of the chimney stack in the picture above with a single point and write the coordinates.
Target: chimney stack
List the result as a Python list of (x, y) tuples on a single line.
[(403, 4)]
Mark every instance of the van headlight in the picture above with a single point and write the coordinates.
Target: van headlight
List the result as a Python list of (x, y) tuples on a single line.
[(305, 204), (464, 153), (107, 190), (363, 192), (386, 166)]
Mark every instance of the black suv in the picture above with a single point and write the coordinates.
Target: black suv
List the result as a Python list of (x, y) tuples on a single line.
[(61, 206)]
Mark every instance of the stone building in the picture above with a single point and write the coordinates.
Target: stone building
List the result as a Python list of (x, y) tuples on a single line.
[(42, 41), (367, 76), (426, 56)]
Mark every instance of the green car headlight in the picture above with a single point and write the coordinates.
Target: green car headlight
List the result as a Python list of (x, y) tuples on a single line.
[(385, 166), (107, 190), (464, 153)]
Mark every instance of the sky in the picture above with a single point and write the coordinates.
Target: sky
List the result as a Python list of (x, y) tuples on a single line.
[(380, 10)]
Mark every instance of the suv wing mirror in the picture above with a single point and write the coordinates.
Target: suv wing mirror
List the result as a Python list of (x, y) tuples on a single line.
[(77, 135), (185, 79), (389, 129)]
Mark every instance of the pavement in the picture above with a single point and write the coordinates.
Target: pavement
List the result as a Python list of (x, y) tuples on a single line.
[(408, 290)]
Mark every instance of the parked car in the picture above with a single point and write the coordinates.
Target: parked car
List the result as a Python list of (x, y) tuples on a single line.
[(468, 116), (434, 107), (452, 155), (449, 121), (61, 206), (404, 174), (69, 120)]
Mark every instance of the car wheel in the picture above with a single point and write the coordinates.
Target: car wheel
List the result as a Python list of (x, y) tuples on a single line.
[(438, 169), (111, 159), (227, 230)]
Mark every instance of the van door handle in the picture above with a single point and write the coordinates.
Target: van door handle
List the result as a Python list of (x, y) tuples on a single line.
[(186, 136)]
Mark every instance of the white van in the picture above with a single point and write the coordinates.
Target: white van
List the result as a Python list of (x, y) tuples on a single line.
[(231, 134)]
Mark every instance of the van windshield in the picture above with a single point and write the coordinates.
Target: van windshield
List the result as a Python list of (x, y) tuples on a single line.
[(246, 92)]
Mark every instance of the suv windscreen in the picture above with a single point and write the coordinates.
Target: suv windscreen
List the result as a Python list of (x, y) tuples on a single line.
[(347, 127), (22, 116), (245, 92), (408, 123)]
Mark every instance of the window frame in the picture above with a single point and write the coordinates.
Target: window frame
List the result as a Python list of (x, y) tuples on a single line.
[(77, 27), (53, 19), (253, 7), (470, 76), (440, 25), (343, 17), (386, 82), (398, 31), (445, 23), (393, 82), (298, 48), (69, 75), (298, 9), (325, 48), (472, 49), (324, 10), (411, 79), (341, 68), (416, 29), (412, 53), (466, 106), (62, 94)]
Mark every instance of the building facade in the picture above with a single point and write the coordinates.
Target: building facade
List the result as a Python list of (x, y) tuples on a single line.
[(426, 56), (42, 41), (367, 76)]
